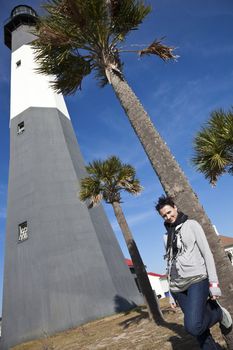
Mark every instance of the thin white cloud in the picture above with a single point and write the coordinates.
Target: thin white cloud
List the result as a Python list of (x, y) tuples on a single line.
[(133, 219), (209, 51), (184, 105)]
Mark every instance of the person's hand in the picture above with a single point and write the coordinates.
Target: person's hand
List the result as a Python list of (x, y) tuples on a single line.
[(214, 297)]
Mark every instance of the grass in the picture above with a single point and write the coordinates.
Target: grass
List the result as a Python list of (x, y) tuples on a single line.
[(131, 331)]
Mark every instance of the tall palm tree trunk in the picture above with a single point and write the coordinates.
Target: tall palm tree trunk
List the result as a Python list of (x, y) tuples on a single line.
[(174, 182), (144, 283)]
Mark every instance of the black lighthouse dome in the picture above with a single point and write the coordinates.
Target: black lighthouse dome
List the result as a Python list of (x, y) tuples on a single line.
[(21, 14), (23, 10)]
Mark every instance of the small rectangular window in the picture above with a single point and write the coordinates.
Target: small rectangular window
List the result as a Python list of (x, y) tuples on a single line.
[(18, 63), (23, 231), (20, 128)]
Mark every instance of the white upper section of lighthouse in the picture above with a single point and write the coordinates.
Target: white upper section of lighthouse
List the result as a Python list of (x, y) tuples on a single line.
[(30, 89)]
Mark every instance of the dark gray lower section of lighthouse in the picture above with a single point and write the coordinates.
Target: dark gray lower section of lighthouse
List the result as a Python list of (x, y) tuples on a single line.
[(63, 264)]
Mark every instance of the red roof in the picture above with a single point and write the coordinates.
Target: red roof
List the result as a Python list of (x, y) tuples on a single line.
[(226, 241), (129, 262), (156, 274)]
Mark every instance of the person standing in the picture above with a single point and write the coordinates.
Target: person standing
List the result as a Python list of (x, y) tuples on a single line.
[(192, 274)]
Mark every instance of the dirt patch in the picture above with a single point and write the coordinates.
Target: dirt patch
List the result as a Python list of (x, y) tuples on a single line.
[(131, 331)]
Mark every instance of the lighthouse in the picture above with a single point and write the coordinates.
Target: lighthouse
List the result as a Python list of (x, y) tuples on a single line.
[(63, 264)]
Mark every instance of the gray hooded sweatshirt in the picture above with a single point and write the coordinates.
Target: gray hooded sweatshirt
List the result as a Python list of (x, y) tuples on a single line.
[(194, 256)]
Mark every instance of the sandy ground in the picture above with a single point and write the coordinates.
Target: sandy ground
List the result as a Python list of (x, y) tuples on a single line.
[(131, 330)]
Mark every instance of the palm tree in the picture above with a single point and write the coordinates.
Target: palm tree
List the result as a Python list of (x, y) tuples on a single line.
[(106, 180), (213, 146), (78, 37)]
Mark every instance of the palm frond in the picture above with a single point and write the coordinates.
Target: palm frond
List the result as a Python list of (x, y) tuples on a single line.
[(89, 186), (210, 158), (57, 28), (91, 191), (126, 15), (76, 37), (95, 168), (221, 123), (159, 49), (88, 19), (100, 75), (114, 7), (131, 186), (68, 69), (109, 178), (213, 146)]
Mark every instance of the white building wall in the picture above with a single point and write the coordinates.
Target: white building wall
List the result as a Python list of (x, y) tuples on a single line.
[(156, 285), (164, 284), (30, 89)]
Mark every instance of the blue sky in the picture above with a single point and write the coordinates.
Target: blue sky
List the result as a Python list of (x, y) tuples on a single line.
[(179, 97)]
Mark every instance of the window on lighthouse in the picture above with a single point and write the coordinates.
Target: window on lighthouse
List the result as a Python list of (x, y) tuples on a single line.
[(20, 128), (18, 64), (23, 231)]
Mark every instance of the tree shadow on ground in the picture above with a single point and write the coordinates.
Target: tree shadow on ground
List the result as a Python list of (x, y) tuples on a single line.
[(186, 342), (122, 304), (178, 343), (134, 319), (181, 341)]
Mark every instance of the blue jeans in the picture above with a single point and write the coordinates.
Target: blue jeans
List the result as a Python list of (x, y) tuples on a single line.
[(200, 313)]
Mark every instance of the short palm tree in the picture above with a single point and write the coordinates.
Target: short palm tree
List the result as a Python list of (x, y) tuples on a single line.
[(213, 146), (77, 37), (106, 180)]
